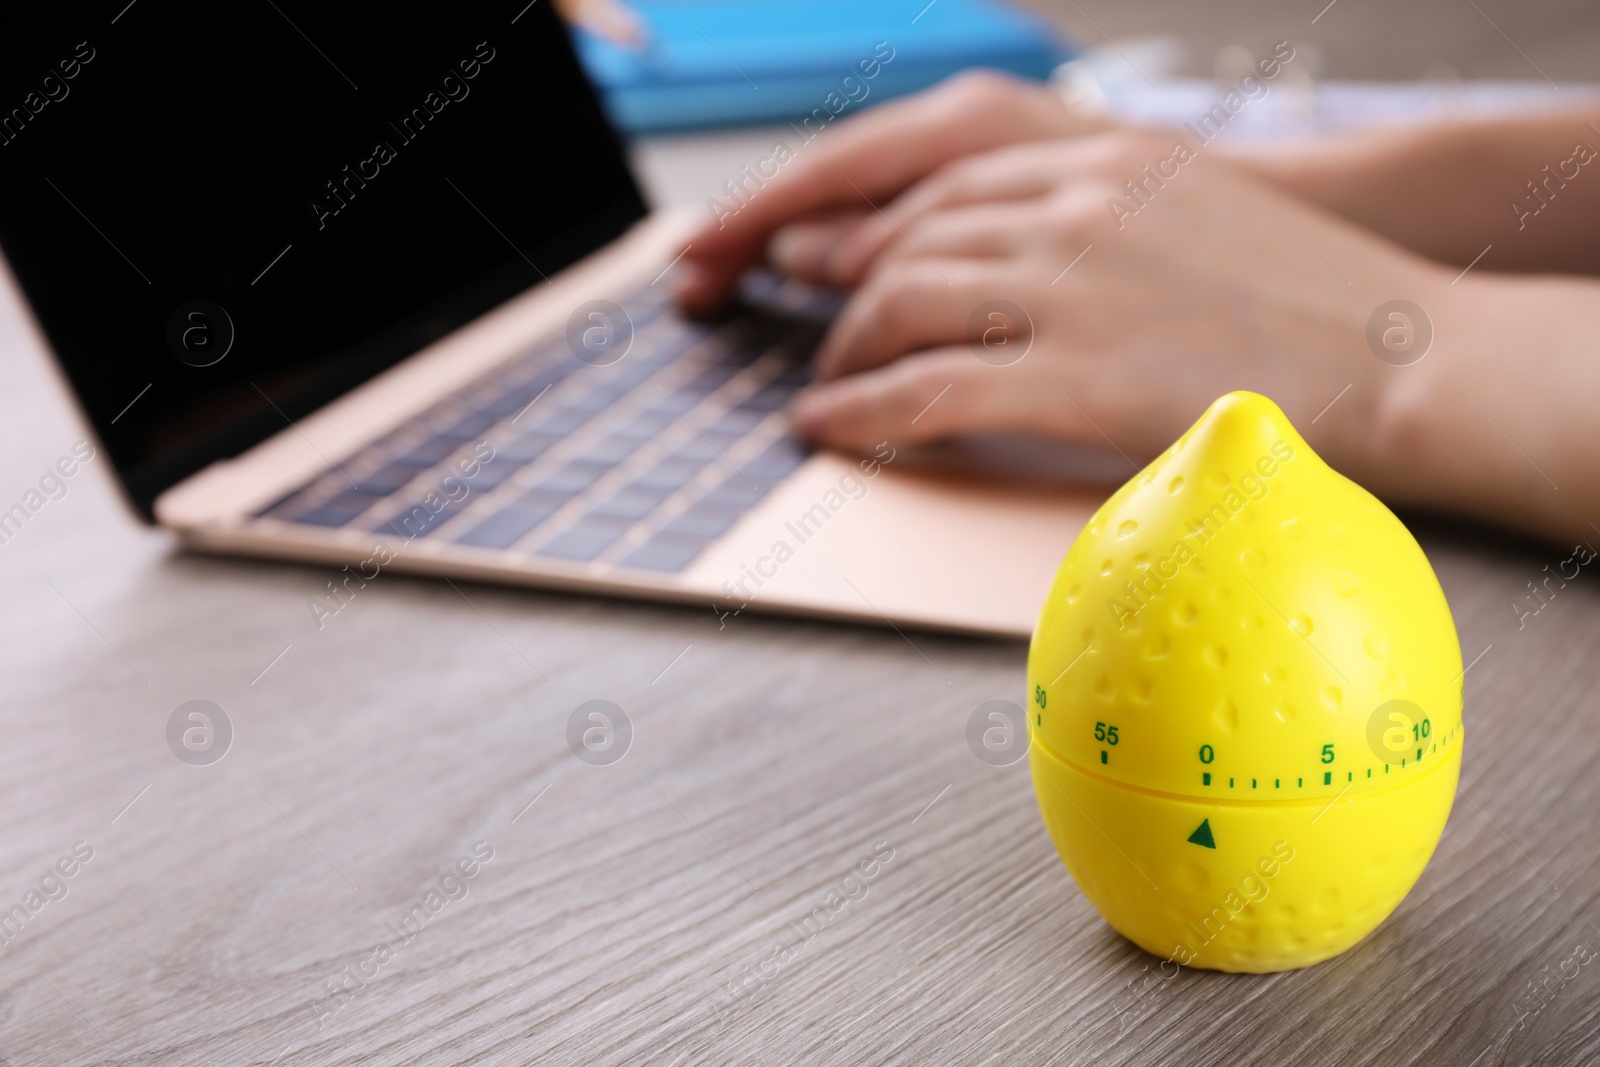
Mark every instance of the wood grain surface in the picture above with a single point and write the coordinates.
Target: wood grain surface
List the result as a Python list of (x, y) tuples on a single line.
[(624, 905)]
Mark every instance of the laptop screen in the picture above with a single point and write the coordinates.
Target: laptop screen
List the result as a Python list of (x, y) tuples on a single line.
[(226, 215)]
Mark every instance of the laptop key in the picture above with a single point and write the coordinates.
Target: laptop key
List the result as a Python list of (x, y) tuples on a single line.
[(631, 504), (736, 492), (643, 312), (779, 458), (611, 450), (512, 401), (518, 388), (326, 516), (585, 539), (356, 500), (759, 287), (420, 521), (560, 420), (539, 498), (593, 401), (751, 347), (767, 398), (704, 384), (630, 376), (647, 424), (505, 527), (527, 448), (793, 378), (429, 452), (470, 427), (339, 510), (387, 479), (721, 439), (695, 450), (684, 337), (664, 553), (703, 521), (737, 421), (573, 479), (668, 474), (489, 475)]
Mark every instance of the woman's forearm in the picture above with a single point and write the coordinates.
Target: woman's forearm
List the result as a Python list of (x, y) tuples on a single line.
[(1499, 419), (1527, 185)]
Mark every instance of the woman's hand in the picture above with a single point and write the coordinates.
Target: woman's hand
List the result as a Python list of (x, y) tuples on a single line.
[(1134, 312), (870, 160), (1137, 296), (1126, 315)]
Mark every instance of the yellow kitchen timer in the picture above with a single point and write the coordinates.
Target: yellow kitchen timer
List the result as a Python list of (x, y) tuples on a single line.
[(1245, 702)]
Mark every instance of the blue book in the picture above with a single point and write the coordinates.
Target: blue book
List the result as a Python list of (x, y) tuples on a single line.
[(726, 62)]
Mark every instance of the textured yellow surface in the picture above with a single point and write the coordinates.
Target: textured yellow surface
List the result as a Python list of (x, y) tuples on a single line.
[(1245, 665)]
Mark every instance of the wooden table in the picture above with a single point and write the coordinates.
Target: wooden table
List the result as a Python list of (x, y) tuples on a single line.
[(629, 913)]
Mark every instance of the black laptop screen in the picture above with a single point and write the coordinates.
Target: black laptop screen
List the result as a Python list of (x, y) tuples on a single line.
[(225, 215)]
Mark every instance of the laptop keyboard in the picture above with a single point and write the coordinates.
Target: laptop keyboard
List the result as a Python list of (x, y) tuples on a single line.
[(639, 465)]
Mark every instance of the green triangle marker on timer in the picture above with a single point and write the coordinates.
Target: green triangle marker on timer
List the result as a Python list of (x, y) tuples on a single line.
[(1202, 835)]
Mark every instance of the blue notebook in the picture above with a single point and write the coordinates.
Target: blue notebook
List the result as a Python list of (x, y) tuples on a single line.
[(725, 62)]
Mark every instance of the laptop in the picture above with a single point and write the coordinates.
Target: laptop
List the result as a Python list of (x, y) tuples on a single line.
[(373, 288)]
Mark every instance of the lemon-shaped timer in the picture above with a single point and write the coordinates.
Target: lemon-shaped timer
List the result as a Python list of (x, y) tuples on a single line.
[(1245, 702)]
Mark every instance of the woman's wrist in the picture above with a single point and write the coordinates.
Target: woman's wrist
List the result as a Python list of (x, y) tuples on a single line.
[(1448, 191), (1344, 173), (1494, 421)]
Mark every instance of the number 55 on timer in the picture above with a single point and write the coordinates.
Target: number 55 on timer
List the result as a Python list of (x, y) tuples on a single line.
[(1245, 709)]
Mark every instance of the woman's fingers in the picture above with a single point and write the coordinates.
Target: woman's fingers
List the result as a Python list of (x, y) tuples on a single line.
[(1005, 175), (987, 231), (803, 249), (908, 306), (1065, 171), (932, 395), (934, 286), (810, 250), (869, 160)]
